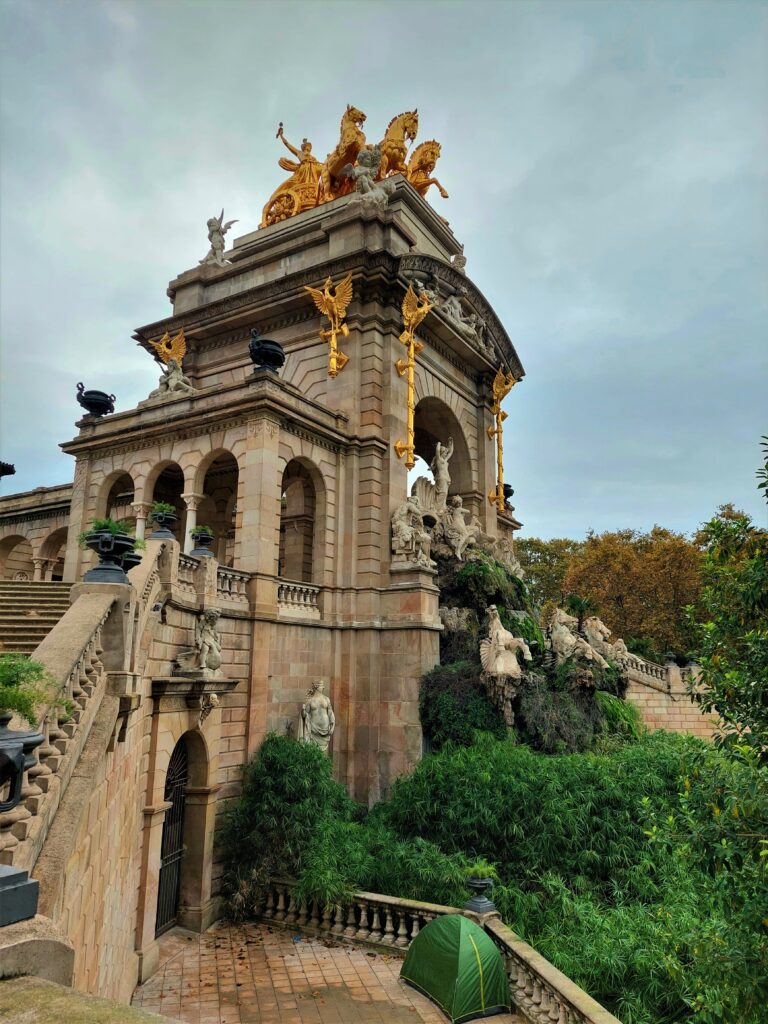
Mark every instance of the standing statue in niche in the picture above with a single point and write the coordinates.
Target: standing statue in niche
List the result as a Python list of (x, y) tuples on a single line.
[(216, 231), (439, 467), (317, 720)]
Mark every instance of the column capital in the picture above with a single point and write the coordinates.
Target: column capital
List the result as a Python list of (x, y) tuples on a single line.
[(141, 509), (192, 500)]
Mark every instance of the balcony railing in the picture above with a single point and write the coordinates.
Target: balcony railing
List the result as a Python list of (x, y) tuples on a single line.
[(298, 600)]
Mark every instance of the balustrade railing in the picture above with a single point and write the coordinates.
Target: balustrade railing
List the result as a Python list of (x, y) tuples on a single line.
[(299, 600), (540, 993), (72, 654), (232, 584), (186, 575)]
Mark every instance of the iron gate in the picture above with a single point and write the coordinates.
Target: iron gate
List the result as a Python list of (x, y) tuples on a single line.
[(173, 840)]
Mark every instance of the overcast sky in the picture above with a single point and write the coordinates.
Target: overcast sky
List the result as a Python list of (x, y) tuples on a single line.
[(606, 169)]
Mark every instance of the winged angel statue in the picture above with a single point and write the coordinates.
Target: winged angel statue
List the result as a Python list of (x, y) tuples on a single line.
[(332, 301), (216, 231)]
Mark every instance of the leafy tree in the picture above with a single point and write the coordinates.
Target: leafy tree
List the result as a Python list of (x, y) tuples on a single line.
[(545, 563), (640, 584)]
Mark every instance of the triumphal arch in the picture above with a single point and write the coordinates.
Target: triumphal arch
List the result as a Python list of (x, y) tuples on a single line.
[(299, 470)]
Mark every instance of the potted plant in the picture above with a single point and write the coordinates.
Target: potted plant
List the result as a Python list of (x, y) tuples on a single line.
[(163, 515), (111, 543), (24, 684), (480, 876), (203, 538)]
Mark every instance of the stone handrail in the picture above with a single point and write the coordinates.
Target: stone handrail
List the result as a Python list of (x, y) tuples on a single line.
[(232, 584), (298, 600), (647, 668), (186, 575), (540, 993), (71, 653)]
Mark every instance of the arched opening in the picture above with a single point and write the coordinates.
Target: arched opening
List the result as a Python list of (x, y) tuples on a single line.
[(434, 421), (52, 550), (168, 488), (118, 503), (16, 559), (172, 846), (218, 508), (298, 524)]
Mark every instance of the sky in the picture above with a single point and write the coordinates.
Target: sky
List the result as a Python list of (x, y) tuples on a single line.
[(606, 164)]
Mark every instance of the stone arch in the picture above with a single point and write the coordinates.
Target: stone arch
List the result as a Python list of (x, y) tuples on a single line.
[(115, 497), (16, 558), (302, 521), (166, 482), (52, 550), (435, 421), (216, 483)]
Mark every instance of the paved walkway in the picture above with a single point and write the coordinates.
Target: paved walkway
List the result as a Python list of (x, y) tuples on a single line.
[(255, 974)]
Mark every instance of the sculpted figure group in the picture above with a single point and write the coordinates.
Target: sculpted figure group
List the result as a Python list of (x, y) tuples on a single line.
[(353, 165)]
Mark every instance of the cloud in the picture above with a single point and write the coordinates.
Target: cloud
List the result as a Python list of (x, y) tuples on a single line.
[(604, 167)]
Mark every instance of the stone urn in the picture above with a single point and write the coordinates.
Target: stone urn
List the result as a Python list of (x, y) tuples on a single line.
[(131, 559), (265, 353), (96, 403), (508, 492), (15, 758), (203, 544), (163, 522), (479, 903), (111, 549)]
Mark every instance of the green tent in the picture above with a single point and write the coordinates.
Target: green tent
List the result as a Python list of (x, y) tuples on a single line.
[(457, 965)]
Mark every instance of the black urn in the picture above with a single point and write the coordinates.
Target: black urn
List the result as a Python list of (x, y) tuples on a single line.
[(203, 544), (130, 559), (480, 903), (163, 521), (111, 549), (265, 353), (96, 403), (15, 756)]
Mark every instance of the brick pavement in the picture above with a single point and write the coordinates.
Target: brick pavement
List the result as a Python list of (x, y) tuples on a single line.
[(255, 974)]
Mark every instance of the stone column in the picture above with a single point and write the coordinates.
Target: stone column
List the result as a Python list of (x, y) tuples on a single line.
[(141, 510), (39, 564), (192, 501), (79, 514), (146, 943), (196, 907)]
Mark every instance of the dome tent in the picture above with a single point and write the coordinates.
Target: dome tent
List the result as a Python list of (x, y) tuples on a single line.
[(455, 964)]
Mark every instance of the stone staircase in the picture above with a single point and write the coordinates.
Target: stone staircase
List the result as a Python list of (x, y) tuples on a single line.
[(28, 612)]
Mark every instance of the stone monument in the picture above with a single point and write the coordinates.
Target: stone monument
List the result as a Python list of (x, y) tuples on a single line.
[(317, 720)]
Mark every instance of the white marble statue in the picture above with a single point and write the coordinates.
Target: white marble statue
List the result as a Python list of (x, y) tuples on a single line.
[(172, 382), (441, 473), (597, 635), (469, 325), (502, 550), (498, 655), (217, 229), (204, 659), (457, 531), (317, 720), (370, 191), (566, 642), (411, 541)]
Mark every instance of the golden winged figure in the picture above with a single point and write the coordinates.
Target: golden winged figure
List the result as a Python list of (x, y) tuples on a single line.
[(415, 308), (171, 348), (332, 301)]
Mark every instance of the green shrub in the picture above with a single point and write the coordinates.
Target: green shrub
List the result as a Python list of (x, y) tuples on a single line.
[(162, 508), (619, 716), (479, 582), (453, 705), (556, 719), (24, 686), (102, 526)]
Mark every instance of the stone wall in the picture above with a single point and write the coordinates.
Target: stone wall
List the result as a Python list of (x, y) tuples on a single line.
[(664, 703)]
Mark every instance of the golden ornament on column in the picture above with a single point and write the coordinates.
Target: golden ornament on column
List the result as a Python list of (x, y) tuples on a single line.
[(502, 385), (414, 310), (332, 301), (171, 348)]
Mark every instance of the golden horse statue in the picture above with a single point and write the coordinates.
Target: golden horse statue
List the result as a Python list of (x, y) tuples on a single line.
[(333, 183), (394, 146), (421, 165)]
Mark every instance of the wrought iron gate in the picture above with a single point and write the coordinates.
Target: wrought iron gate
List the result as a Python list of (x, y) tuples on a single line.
[(172, 843)]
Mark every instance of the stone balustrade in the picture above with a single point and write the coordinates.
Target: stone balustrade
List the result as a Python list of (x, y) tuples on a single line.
[(647, 668), (298, 600), (72, 655), (232, 584), (186, 576), (539, 992)]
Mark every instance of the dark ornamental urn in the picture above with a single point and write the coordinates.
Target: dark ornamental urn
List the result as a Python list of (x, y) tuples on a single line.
[(15, 757), (508, 492), (480, 903), (203, 544), (163, 522), (130, 560), (111, 549), (7, 469), (265, 353), (96, 403)]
